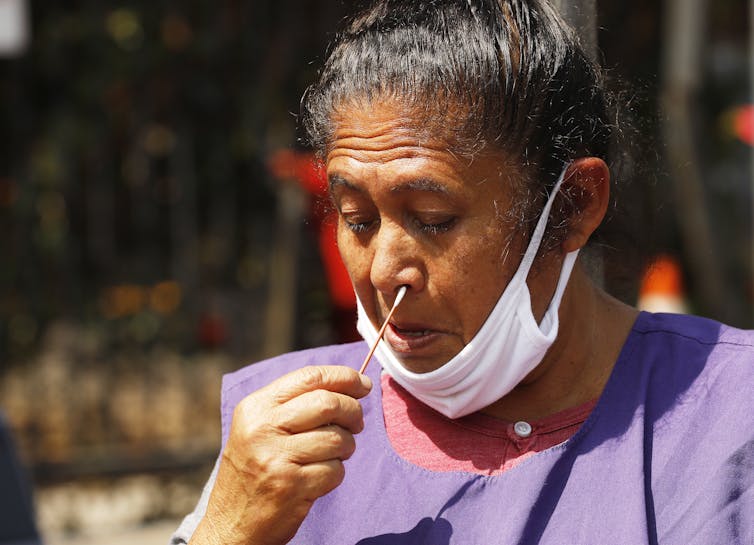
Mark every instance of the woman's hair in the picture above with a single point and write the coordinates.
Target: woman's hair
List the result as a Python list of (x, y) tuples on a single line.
[(505, 75)]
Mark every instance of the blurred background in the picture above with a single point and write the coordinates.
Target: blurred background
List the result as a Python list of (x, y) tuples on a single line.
[(160, 225)]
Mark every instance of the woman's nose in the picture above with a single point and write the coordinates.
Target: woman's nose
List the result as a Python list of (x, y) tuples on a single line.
[(396, 260)]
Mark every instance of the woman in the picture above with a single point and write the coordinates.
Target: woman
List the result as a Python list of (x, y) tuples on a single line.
[(465, 144)]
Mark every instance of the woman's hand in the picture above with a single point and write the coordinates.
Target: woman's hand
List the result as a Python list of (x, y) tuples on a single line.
[(286, 448)]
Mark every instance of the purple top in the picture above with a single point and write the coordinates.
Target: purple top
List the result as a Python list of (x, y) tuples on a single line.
[(667, 456)]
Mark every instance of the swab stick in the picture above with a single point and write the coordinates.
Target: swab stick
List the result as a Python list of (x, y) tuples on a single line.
[(398, 299)]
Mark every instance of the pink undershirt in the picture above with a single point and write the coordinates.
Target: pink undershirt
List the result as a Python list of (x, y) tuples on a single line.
[(476, 443)]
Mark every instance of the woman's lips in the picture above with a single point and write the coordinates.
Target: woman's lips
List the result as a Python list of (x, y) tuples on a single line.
[(410, 339)]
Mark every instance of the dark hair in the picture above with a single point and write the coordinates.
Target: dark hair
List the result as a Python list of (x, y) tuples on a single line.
[(510, 75), (511, 69)]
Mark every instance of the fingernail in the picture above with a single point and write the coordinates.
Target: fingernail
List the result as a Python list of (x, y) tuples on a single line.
[(366, 382)]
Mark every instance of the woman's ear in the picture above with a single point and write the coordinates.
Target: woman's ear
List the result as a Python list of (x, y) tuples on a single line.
[(587, 185)]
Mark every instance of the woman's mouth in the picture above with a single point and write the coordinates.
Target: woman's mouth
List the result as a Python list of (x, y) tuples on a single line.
[(411, 332), (410, 339)]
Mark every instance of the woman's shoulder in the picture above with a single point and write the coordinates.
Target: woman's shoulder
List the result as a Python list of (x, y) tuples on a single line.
[(688, 357), (656, 328)]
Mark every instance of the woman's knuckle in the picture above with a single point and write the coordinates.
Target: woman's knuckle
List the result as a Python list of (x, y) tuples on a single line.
[(242, 410), (277, 485), (281, 422), (328, 403), (337, 473), (356, 409), (333, 439), (312, 377)]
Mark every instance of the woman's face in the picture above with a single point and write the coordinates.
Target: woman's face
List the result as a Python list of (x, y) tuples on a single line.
[(411, 212)]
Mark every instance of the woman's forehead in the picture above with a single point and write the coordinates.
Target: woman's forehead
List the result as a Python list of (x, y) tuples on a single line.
[(371, 119), (404, 171), (387, 135)]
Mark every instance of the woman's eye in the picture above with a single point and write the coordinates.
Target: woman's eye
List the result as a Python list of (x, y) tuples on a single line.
[(358, 225), (435, 227)]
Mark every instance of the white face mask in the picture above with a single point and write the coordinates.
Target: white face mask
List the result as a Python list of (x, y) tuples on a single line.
[(508, 346)]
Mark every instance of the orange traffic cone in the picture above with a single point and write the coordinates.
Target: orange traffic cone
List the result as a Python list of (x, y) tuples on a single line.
[(662, 287)]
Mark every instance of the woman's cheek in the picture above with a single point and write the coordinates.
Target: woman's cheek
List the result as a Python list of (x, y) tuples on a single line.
[(355, 258)]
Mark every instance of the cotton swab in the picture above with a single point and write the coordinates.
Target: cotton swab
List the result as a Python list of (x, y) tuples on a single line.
[(398, 299)]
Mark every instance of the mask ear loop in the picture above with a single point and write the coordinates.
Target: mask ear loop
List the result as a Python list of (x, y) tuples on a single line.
[(539, 230)]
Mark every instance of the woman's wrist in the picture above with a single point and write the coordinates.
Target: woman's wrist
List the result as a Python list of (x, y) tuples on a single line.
[(211, 532)]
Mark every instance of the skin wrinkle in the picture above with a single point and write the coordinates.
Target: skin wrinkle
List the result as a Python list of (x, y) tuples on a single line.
[(433, 129), (397, 149), (431, 115)]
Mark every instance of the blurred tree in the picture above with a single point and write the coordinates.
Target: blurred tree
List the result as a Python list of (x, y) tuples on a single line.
[(137, 138)]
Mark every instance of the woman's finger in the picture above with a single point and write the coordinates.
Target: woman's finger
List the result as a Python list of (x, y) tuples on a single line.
[(319, 408), (319, 478), (321, 444), (334, 378)]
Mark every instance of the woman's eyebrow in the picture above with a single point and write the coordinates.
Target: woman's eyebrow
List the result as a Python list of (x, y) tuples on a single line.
[(420, 184), (335, 181)]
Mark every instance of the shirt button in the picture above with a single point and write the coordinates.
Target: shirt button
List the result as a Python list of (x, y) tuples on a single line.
[(522, 429)]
